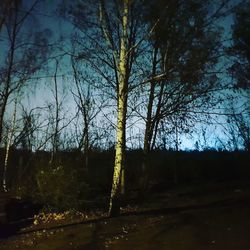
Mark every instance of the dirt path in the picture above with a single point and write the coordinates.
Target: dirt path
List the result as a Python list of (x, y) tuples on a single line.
[(218, 226)]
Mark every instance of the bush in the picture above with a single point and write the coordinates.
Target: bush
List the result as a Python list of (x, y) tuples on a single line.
[(60, 188)]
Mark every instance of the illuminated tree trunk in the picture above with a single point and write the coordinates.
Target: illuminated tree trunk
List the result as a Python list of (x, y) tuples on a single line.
[(114, 206), (9, 139)]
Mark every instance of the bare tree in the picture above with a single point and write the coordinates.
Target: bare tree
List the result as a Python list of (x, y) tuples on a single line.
[(23, 59), (56, 117), (25, 138), (87, 106)]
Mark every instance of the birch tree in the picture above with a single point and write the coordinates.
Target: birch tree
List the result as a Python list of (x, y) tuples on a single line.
[(114, 206), (109, 49)]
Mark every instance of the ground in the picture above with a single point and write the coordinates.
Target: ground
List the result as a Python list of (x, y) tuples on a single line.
[(213, 216)]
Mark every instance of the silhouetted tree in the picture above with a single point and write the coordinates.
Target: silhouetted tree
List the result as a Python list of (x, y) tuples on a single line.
[(22, 59), (186, 47), (56, 116), (24, 54), (88, 108), (241, 46), (238, 128), (238, 122)]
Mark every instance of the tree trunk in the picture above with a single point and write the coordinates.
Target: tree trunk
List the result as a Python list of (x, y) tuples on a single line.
[(146, 144), (177, 152), (114, 205), (5, 97), (2, 111), (148, 130), (9, 139), (55, 139), (86, 147)]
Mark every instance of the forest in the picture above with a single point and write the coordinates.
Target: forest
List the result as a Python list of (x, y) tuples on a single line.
[(109, 107)]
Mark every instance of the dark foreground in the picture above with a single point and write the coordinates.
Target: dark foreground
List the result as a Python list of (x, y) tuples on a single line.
[(200, 218)]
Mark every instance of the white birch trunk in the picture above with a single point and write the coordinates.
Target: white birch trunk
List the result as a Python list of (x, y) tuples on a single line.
[(114, 206), (9, 139)]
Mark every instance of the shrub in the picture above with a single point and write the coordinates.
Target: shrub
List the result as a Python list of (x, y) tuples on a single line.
[(60, 188)]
